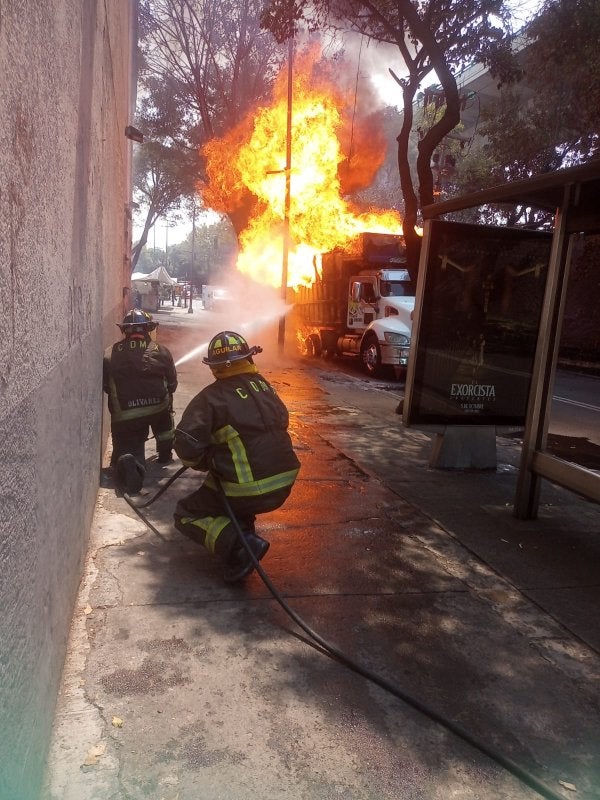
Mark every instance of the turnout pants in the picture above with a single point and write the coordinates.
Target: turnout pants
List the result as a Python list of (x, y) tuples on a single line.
[(202, 517), (130, 436)]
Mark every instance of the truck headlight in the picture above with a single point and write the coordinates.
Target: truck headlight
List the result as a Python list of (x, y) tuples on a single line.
[(396, 338)]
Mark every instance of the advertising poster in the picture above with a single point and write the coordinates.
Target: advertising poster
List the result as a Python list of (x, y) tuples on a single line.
[(482, 298)]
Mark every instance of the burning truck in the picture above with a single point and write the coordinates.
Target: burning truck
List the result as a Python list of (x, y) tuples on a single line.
[(357, 298), (359, 305)]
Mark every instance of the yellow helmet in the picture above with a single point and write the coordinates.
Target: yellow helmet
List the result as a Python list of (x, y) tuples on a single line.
[(227, 347)]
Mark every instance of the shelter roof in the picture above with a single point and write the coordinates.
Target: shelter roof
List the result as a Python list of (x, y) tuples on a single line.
[(542, 191)]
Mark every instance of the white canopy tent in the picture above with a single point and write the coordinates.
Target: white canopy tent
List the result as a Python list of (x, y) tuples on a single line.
[(160, 274), (150, 287)]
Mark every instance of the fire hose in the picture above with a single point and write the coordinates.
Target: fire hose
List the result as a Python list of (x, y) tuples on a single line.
[(333, 652)]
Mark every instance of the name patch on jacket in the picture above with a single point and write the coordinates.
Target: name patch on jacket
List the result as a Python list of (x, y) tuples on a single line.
[(144, 401)]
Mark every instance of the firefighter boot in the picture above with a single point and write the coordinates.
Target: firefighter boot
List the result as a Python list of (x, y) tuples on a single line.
[(130, 474), (239, 564), (165, 456)]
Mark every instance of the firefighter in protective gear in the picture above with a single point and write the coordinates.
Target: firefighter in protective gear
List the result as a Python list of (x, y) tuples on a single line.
[(139, 377), (236, 430)]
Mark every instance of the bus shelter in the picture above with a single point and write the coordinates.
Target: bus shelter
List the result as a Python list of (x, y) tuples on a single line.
[(572, 195)]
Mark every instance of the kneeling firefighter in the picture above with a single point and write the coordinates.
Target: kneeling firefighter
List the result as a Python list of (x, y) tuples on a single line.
[(139, 377), (236, 430)]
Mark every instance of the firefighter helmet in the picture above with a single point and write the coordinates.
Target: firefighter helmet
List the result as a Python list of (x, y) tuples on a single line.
[(137, 321), (227, 347)]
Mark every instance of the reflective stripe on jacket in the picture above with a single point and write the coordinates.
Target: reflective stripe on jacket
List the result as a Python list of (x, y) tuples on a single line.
[(237, 429), (139, 378)]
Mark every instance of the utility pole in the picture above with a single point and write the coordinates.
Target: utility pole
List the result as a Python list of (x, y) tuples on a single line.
[(191, 308), (286, 218)]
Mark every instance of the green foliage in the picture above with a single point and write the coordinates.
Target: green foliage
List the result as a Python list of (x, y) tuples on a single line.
[(203, 259), (166, 167), (552, 118), (284, 17), (547, 114), (563, 60), (440, 36), (150, 258), (211, 254), (204, 64)]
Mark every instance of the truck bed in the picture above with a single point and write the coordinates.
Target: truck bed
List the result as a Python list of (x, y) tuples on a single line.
[(324, 303)]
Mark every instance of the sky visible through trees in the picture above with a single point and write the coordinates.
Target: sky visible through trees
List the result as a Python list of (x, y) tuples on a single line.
[(373, 63)]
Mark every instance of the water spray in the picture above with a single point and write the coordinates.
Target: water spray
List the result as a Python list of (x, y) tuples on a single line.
[(245, 328), (192, 353)]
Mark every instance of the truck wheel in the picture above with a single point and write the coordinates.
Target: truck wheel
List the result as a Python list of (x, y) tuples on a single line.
[(370, 356), (313, 346), (327, 347), (310, 347)]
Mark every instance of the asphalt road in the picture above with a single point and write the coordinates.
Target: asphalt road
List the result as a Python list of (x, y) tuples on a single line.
[(574, 427)]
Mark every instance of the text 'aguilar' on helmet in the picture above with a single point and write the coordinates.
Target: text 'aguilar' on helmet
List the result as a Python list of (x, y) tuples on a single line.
[(227, 347), (137, 320)]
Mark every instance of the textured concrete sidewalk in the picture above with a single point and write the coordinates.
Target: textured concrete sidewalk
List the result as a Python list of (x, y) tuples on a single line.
[(179, 687)]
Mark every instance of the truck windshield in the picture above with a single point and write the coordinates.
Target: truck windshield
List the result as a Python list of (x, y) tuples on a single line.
[(397, 289)]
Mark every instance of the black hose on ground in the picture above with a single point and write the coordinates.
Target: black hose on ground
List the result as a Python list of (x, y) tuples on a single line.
[(511, 766), (137, 506), (162, 489)]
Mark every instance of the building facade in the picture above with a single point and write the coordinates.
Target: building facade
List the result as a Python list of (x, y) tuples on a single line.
[(66, 97)]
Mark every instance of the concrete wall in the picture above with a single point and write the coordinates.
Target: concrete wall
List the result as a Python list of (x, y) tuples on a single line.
[(65, 96)]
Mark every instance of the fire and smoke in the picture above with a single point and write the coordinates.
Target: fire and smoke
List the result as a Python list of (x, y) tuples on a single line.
[(331, 154)]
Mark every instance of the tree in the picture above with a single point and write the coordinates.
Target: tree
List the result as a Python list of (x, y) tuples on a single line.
[(548, 120), (431, 35), (162, 175), (150, 258), (218, 59), (214, 253), (550, 117), (562, 65), (559, 125), (167, 165), (204, 63)]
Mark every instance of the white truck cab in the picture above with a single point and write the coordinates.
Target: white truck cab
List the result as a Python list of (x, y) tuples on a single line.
[(380, 306), (360, 305)]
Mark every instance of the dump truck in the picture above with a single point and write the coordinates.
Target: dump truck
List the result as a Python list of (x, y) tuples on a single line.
[(360, 305)]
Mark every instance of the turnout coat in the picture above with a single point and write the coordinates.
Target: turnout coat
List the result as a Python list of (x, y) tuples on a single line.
[(139, 377), (236, 429)]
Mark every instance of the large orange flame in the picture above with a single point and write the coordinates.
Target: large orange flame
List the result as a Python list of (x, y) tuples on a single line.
[(246, 171)]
